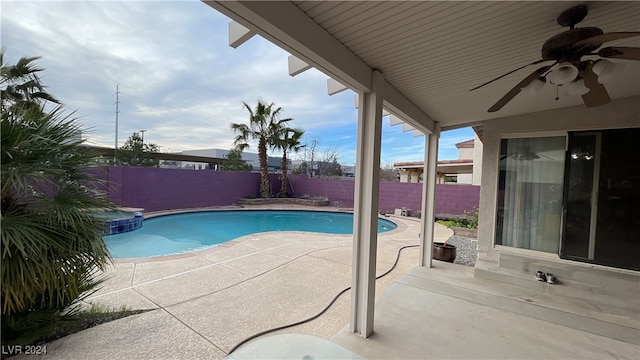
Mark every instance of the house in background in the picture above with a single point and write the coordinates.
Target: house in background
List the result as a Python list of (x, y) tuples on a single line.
[(466, 169)]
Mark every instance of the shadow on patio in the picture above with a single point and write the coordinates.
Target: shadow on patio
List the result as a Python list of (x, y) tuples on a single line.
[(444, 312)]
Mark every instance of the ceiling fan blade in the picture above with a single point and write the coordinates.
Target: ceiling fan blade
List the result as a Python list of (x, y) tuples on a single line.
[(601, 39), (597, 94), (509, 73), (620, 52), (516, 89)]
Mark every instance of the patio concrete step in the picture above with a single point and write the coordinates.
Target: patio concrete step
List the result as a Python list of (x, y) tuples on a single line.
[(529, 300), (611, 303), (610, 290), (591, 277)]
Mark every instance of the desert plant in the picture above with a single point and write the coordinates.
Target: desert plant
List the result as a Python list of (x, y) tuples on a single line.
[(51, 239), (262, 122), (21, 86), (469, 220), (287, 140), (472, 218)]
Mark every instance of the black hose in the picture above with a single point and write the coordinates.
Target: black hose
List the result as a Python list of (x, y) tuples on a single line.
[(264, 332)]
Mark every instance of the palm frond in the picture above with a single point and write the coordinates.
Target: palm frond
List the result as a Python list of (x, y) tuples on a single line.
[(51, 239)]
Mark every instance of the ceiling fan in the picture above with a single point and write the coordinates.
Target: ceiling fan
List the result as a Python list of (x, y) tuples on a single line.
[(565, 52)]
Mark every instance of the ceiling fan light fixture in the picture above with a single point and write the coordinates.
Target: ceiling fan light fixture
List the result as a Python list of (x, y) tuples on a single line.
[(606, 70), (565, 73), (576, 88), (534, 87)]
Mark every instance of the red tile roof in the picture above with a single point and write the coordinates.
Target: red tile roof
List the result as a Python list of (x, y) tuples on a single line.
[(420, 164), (465, 144)]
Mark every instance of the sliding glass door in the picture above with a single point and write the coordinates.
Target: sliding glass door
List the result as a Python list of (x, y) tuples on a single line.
[(581, 201), (602, 198), (530, 193), (581, 193)]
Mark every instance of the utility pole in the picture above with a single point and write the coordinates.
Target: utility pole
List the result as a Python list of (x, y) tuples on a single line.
[(117, 112), (142, 131)]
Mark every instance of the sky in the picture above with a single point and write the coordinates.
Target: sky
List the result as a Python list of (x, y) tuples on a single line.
[(179, 80)]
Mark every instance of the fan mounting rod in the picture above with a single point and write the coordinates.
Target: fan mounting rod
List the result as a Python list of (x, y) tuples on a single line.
[(572, 16)]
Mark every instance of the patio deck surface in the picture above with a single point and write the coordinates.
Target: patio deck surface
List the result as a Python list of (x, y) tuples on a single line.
[(206, 302)]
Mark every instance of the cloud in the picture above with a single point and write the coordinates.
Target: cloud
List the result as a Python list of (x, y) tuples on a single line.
[(178, 79)]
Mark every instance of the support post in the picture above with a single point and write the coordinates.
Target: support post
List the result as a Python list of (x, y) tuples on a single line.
[(365, 225), (428, 197)]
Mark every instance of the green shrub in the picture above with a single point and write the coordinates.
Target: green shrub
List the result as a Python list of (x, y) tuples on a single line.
[(51, 237), (447, 223), (469, 221)]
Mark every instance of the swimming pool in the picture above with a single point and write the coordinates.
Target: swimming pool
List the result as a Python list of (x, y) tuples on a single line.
[(179, 233), (117, 222)]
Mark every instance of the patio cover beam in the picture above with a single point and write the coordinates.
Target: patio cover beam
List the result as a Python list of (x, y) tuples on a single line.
[(335, 86), (394, 120), (238, 34), (285, 25), (365, 224), (297, 66)]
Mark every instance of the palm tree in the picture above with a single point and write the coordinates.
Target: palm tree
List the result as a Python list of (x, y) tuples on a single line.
[(288, 140), (262, 122), (51, 237), (21, 86)]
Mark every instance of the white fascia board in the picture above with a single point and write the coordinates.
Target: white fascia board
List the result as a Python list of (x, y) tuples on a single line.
[(297, 66), (285, 25), (238, 34), (417, 133), (335, 86)]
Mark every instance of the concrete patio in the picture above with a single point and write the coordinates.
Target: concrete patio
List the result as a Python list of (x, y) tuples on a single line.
[(206, 302)]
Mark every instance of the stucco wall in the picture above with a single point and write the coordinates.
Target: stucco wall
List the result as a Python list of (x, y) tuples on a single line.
[(477, 161), (465, 153)]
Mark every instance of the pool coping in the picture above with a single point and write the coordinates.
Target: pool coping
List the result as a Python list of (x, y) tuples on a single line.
[(400, 226)]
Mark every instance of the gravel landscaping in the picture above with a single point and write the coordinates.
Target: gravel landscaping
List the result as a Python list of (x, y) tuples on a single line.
[(466, 249)]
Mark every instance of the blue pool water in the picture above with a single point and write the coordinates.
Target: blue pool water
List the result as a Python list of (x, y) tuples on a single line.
[(173, 234)]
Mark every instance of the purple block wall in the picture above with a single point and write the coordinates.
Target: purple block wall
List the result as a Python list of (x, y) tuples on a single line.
[(162, 189), (451, 199), (339, 192), (396, 195), (456, 199)]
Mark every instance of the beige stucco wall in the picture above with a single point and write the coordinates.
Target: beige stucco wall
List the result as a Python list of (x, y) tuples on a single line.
[(478, 147), (620, 113), (465, 179), (465, 153)]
